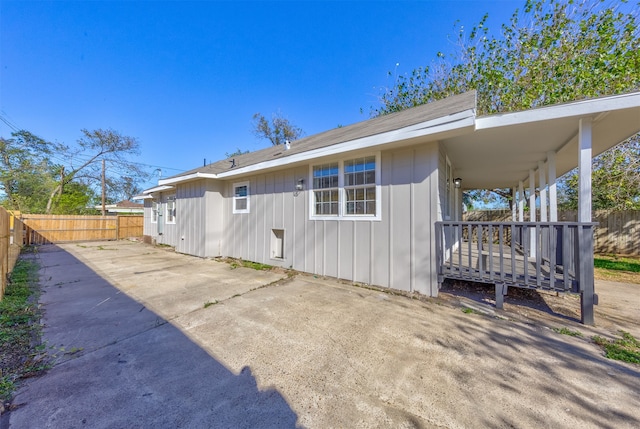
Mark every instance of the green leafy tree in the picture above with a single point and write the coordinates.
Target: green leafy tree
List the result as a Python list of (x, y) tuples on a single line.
[(552, 51), (78, 198), (85, 163), (26, 171), (32, 183), (279, 130)]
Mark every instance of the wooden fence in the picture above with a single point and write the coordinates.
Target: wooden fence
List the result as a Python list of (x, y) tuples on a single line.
[(44, 229), (9, 249), (618, 232)]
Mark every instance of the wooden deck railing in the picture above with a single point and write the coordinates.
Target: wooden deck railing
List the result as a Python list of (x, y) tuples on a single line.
[(554, 256)]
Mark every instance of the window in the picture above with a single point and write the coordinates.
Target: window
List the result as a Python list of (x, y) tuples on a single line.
[(171, 209), (347, 189), (241, 197), (154, 211), (360, 186), (325, 185)]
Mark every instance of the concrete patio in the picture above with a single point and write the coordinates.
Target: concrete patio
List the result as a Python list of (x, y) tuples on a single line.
[(143, 337)]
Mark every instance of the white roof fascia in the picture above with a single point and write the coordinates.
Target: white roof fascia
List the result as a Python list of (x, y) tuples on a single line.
[(567, 110), (437, 126), (142, 197), (157, 189), (188, 177)]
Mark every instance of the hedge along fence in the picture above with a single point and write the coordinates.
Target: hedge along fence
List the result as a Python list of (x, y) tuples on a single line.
[(9, 249), (45, 229), (618, 232)]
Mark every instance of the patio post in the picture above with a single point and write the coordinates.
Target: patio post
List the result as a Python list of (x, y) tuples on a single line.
[(543, 192), (553, 193), (532, 212), (585, 232), (520, 201)]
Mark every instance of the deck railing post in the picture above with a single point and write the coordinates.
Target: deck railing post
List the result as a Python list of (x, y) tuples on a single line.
[(584, 273)]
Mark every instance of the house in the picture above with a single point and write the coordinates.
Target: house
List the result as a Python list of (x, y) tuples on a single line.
[(122, 207), (379, 202)]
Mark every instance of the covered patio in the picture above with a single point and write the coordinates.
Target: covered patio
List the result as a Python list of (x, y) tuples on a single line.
[(532, 149)]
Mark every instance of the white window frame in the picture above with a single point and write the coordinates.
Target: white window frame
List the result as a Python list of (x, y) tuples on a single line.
[(238, 198), (170, 217), (342, 195), (154, 210)]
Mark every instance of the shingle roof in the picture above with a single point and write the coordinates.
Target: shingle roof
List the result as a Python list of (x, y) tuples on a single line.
[(379, 125)]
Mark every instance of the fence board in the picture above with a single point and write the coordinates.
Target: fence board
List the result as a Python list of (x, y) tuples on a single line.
[(44, 229), (4, 249), (618, 232), (130, 226)]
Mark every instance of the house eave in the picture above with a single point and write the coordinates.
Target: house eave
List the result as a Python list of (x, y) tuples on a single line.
[(187, 178), (456, 124), (156, 189), (578, 109)]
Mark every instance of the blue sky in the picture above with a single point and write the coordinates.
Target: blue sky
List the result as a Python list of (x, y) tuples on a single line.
[(185, 78)]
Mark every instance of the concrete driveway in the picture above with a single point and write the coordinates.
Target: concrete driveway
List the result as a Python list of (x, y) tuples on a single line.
[(144, 337)]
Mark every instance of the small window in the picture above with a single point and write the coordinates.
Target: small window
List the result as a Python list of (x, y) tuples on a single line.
[(325, 185), (154, 211), (171, 209), (360, 186), (241, 197)]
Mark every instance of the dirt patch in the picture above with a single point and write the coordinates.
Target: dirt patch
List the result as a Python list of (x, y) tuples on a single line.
[(618, 308)]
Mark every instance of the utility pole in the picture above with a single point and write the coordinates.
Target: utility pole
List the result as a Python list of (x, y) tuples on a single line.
[(103, 189)]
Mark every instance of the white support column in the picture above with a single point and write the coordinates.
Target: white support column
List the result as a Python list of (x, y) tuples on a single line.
[(514, 204), (553, 193), (532, 213), (584, 274), (520, 201), (532, 196), (543, 191), (584, 170)]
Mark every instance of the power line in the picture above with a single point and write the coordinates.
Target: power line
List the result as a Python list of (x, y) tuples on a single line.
[(3, 118)]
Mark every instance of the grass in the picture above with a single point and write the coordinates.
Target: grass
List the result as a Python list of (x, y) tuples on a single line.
[(21, 354), (567, 331), (210, 303), (236, 263), (626, 348), (625, 269)]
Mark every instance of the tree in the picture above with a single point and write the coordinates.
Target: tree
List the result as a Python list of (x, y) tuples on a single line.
[(32, 183), (85, 162), (278, 131), (553, 51), (26, 172)]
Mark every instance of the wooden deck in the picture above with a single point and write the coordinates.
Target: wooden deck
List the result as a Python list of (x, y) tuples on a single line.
[(484, 264), (555, 256)]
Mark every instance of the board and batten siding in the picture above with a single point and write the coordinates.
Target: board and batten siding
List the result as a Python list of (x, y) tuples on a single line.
[(170, 235), (396, 251), (199, 218), (148, 229)]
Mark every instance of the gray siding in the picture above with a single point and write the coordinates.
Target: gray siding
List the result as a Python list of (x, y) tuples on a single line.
[(199, 214), (169, 235), (148, 228), (395, 252)]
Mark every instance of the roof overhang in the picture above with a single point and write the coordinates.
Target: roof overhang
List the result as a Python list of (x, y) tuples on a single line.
[(435, 129), (504, 148), (149, 192)]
